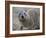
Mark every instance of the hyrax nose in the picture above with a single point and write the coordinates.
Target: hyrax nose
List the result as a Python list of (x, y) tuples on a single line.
[(22, 17)]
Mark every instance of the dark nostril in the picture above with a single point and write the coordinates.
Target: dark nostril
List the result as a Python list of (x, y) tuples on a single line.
[(22, 17)]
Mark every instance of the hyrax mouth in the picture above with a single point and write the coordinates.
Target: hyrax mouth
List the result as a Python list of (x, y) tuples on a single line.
[(22, 19)]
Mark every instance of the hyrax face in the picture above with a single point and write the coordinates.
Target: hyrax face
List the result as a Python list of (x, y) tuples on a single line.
[(23, 16)]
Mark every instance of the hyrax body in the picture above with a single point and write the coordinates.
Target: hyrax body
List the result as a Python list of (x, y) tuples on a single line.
[(28, 20)]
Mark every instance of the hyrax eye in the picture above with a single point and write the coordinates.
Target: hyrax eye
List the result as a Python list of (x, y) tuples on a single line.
[(25, 14)]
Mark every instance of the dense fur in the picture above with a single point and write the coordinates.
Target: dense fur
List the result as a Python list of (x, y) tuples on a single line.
[(27, 20)]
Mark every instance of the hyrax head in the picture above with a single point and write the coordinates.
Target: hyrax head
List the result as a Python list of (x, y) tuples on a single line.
[(23, 15)]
